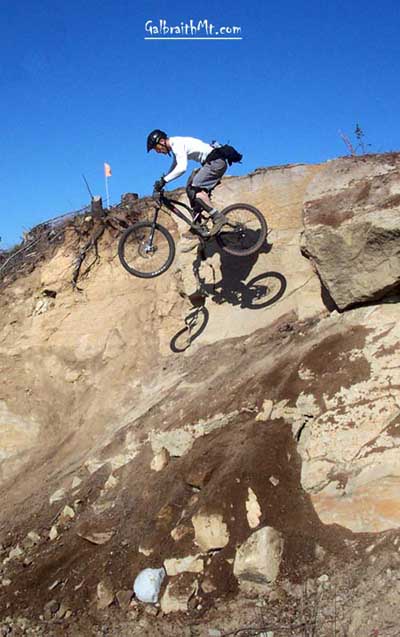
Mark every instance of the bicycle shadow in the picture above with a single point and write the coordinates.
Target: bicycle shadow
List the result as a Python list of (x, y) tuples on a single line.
[(260, 292), (195, 324)]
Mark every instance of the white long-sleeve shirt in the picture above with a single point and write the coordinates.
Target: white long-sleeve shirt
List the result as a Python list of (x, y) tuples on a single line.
[(183, 149)]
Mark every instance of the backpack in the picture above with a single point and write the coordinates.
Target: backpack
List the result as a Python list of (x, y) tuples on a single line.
[(229, 153)]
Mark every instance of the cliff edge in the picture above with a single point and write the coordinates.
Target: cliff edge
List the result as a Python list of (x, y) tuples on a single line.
[(234, 421)]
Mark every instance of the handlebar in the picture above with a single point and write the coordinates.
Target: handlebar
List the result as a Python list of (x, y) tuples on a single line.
[(158, 194), (159, 199)]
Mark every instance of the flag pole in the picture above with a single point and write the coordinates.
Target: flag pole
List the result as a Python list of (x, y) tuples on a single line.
[(107, 174), (107, 193)]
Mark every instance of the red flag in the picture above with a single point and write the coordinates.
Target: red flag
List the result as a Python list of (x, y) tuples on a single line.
[(107, 170)]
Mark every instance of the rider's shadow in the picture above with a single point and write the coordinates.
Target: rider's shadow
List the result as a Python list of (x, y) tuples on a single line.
[(259, 292)]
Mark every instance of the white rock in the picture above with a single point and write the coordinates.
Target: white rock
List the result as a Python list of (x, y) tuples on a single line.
[(110, 483), (51, 608), (41, 306), (180, 531), (320, 552), (105, 595), (68, 512), (148, 583), (160, 460), (53, 533), (210, 530), (177, 442), (93, 465), (258, 558), (15, 552), (62, 611), (178, 593), (189, 564), (266, 410), (33, 537), (145, 551), (97, 537), (57, 496), (76, 482), (101, 508), (253, 509)]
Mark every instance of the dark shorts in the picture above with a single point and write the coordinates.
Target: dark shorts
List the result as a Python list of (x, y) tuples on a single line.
[(206, 177)]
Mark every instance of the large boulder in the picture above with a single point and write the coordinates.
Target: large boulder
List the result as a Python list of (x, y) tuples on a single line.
[(258, 559), (352, 227)]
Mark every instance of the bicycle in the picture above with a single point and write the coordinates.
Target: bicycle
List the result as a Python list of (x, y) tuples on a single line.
[(147, 249)]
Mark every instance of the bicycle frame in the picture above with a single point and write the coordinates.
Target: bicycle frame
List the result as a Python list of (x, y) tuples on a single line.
[(172, 204), (169, 203)]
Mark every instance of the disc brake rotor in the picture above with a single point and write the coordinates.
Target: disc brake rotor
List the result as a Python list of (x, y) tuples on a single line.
[(146, 251)]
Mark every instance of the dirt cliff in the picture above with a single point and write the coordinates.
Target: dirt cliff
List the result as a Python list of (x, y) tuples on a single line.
[(224, 421)]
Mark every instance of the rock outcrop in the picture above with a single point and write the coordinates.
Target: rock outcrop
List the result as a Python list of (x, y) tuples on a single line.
[(352, 228)]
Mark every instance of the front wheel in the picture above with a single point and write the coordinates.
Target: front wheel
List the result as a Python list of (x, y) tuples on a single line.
[(245, 232), (146, 250)]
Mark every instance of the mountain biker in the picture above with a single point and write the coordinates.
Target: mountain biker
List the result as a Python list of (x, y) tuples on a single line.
[(202, 180)]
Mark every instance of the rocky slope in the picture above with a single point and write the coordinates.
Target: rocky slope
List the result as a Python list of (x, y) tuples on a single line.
[(245, 438)]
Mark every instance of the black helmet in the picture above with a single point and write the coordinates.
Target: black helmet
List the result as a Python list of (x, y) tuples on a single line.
[(154, 137)]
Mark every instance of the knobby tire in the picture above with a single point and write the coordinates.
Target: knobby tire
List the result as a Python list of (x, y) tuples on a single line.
[(248, 240), (134, 240)]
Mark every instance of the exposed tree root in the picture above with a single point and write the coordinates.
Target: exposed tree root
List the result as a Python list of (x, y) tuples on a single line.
[(91, 244)]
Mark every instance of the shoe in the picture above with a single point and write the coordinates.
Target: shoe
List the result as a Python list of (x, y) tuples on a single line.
[(218, 220)]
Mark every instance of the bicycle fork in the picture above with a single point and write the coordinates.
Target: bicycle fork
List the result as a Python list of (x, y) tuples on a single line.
[(153, 229)]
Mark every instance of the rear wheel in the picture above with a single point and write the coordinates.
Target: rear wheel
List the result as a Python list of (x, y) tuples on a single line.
[(245, 232), (145, 251), (263, 290)]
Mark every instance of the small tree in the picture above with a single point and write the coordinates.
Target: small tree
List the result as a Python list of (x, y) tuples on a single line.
[(359, 133), (360, 145)]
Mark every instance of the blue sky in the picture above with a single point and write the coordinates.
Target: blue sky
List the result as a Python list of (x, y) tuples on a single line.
[(81, 86)]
